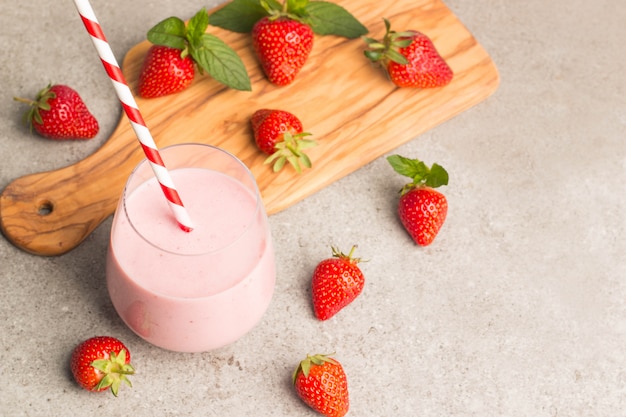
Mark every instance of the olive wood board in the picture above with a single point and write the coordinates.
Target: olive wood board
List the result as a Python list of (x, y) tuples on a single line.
[(348, 105)]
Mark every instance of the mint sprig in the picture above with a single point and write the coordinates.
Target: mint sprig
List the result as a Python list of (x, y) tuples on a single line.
[(209, 52), (240, 15), (420, 174), (325, 18)]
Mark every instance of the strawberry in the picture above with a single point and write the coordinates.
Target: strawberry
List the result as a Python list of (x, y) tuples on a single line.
[(178, 48), (421, 208), (100, 363), (282, 34), (410, 59), (283, 46), (279, 134), (336, 282), (321, 383), (58, 113), (165, 71)]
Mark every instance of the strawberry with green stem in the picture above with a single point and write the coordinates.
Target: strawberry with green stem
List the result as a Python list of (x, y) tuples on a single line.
[(421, 208), (58, 112), (409, 58), (336, 282), (280, 135), (321, 382), (178, 48), (283, 34), (101, 363)]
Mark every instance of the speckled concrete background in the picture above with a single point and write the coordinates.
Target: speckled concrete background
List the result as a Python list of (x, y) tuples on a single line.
[(518, 308)]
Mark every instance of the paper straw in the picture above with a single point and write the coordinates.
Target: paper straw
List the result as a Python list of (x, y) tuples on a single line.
[(132, 111)]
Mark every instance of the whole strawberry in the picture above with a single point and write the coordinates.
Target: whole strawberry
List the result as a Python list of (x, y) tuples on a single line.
[(410, 59), (336, 282), (170, 64), (279, 134), (100, 363), (165, 71), (283, 34), (421, 208), (321, 383), (283, 46), (59, 113)]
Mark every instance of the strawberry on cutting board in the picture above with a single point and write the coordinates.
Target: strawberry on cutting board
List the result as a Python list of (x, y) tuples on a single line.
[(336, 282), (170, 64), (100, 363), (321, 382), (279, 134), (409, 58), (421, 208), (58, 112), (283, 33)]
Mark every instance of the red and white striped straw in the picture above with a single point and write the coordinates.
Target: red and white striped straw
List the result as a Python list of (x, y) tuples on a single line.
[(132, 111)]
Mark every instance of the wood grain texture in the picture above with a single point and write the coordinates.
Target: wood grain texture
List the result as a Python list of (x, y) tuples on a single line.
[(352, 110)]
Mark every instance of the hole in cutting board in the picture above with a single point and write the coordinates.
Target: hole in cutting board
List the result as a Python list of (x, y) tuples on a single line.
[(45, 208)]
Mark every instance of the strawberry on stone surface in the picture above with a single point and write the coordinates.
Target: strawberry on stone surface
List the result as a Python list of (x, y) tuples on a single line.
[(409, 58), (336, 282), (421, 208), (58, 112), (101, 363), (321, 382)]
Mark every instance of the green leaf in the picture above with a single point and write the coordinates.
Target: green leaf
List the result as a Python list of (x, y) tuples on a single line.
[(328, 18), (239, 15), (407, 167), (221, 62), (197, 26), (272, 5), (297, 7), (417, 170), (437, 177), (169, 32)]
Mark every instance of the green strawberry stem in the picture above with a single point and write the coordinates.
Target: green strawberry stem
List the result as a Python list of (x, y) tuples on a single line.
[(305, 365), (115, 370), (387, 49), (209, 52), (40, 103), (325, 18), (349, 257), (291, 149), (421, 175)]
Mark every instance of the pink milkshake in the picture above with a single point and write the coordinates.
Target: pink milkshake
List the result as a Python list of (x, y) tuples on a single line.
[(196, 291)]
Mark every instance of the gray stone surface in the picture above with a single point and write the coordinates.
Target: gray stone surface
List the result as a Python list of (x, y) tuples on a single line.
[(516, 310)]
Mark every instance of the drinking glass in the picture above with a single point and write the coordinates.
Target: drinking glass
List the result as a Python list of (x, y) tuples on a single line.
[(200, 290)]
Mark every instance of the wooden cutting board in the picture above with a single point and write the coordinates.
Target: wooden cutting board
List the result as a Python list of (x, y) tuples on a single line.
[(352, 110)]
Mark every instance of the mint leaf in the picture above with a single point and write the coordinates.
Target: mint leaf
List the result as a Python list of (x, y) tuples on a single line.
[(412, 168), (197, 26), (331, 19), (169, 32), (271, 6), (221, 62), (239, 15), (417, 170), (297, 7), (437, 177)]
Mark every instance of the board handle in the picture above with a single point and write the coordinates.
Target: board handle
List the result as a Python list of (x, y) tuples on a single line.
[(50, 213)]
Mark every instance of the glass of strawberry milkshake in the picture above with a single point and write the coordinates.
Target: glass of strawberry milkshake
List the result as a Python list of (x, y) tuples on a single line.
[(200, 290)]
